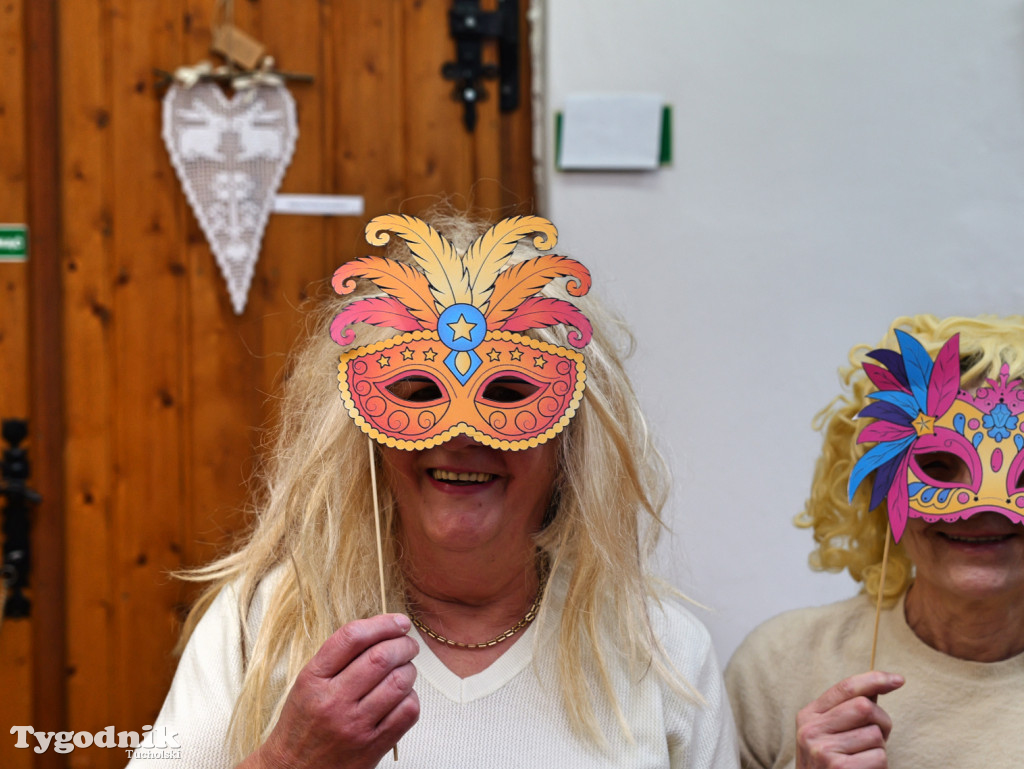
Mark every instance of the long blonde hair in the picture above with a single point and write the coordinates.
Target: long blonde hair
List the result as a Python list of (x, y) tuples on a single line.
[(847, 534), (314, 523)]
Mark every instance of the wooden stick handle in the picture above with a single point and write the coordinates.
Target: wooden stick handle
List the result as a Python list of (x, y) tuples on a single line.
[(881, 589), (376, 523), (380, 546)]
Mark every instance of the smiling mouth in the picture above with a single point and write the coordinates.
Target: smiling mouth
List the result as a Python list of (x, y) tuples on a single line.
[(976, 540), (460, 479)]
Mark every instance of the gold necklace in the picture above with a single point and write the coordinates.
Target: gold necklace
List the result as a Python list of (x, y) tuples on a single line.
[(531, 614), (543, 572)]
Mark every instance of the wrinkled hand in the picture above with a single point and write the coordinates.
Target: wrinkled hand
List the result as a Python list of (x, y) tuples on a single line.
[(845, 728), (351, 702)]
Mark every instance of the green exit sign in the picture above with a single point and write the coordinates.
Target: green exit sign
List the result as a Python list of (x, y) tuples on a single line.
[(13, 242)]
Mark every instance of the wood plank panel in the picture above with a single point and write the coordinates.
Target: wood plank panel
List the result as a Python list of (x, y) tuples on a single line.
[(515, 134), (45, 369), (488, 189), (91, 358), (296, 249), (363, 70), (16, 678), (440, 152), (15, 635), (149, 311)]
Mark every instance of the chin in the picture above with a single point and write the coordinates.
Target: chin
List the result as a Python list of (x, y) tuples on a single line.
[(463, 531), (980, 583)]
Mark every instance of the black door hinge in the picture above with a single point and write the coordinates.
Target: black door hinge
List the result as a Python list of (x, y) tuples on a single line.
[(470, 27)]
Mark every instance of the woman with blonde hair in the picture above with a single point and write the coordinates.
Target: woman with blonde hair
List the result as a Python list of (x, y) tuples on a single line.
[(519, 497), (936, 418)]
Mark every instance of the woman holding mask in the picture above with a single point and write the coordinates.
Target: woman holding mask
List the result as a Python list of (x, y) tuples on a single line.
[(948, 480), (519, 495)]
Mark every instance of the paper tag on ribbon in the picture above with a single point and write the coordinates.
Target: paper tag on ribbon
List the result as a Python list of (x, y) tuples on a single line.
[(231, 155), (234, 45)]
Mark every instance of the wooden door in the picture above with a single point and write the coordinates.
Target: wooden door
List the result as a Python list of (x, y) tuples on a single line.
[(164, 389), (15, 634), (31, 365)]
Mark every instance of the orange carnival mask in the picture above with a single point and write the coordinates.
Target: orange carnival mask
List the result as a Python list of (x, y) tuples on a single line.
[(462, 367)]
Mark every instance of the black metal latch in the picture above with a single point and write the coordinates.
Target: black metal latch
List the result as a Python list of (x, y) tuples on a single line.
[(469, 27), (14, 471)]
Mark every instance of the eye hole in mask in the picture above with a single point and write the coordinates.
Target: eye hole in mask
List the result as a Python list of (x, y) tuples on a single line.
[(941, 468), (416, 389), (508, 389), (1016, 473)]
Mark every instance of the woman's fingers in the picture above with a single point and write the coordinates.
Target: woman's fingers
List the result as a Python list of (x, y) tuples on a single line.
[(859, 740), (847, 715), (845, 743), (869, 759), (399, 719), (354, 638), (868, 685), (378, 679), (845, 726), (379, 701), (352, 701)]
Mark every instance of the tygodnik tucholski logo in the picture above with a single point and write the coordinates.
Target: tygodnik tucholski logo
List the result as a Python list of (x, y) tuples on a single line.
[(152, 743)]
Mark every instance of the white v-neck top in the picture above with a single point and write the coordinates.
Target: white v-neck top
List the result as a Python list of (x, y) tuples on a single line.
[(516, 658), (509, 715)]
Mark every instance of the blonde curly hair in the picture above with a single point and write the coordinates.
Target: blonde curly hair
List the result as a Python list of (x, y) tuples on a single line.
[(848, 535), (314, 523)]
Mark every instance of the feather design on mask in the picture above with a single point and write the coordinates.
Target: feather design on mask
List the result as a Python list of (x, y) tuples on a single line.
[(377, 311), (507, 297), (911, 393), (489, 253), (521, 281), (435, 255), (406, 284), (542, 311)]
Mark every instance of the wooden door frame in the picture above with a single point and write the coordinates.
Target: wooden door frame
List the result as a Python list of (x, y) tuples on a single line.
[(46, 370)]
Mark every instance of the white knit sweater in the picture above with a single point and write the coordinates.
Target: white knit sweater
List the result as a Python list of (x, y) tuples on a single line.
[(509, 715)]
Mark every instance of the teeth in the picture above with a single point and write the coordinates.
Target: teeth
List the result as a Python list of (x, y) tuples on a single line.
[(445, 475), (977, 540)]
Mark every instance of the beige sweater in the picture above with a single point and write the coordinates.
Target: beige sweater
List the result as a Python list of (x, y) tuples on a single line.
[(950, 712)]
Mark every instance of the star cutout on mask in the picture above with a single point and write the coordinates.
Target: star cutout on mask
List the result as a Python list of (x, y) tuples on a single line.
[(494, 355), (517, 354), (383, 361), (539, 361), (406, 354), (461, 328), (924, 424), (429, 354)]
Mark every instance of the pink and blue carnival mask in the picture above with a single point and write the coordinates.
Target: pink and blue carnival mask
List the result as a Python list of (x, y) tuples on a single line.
[(921, 413)]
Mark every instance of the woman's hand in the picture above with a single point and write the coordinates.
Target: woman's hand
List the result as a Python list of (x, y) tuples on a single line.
[(845, 728), (351, 702)]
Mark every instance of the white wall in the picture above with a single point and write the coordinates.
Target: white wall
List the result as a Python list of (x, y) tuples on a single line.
[(836, 164)]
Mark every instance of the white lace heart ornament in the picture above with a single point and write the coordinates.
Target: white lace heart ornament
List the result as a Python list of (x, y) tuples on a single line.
[(230, 156)]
